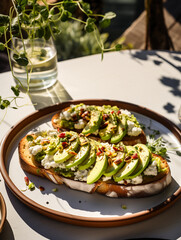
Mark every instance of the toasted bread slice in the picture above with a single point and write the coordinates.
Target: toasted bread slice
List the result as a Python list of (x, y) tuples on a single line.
[(151, 185), (127, 140)]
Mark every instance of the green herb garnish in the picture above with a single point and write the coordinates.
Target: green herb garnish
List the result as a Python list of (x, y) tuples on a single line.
[(29, 138), (31, 186), (157, 146)]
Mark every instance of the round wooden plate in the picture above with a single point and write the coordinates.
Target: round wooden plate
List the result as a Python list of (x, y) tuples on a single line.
[(79, 208)]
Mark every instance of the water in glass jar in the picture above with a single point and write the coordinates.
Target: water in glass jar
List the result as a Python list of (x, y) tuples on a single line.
[(42, 67)]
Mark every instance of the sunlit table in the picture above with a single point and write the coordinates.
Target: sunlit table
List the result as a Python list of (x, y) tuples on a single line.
[(146, 78)]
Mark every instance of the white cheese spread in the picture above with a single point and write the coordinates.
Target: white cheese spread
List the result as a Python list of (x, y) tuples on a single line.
[(35, 149), (134, 181), (151, 170), (132, 129), (48, 162), (137, 180), (125, 112), (81, 175), (80, 124)]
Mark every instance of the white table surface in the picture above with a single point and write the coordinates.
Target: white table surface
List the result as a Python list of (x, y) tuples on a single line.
[(147, 78)]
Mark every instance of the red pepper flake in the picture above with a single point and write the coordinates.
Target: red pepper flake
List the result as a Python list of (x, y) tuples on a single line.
[(109, 153), (118, 112), (135, 156), (61, 135), (102, 148), (64, 144), (121, 148), (88, 134), (98, 153), (58, 129), (105, 116), (26, 180), (112, 112), (115, 148), (72, 153), (41, 188)]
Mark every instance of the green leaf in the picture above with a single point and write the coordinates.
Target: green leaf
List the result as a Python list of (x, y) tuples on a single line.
[(40, 32), (21, 4), (15, 27), (86, 7), (118, 47), (25, 19), (109, 15), (2, 107), (5, 103), (15, 90), (90, 25), (2, 29), (43, 52), (69, 6), (15, 56), (104, 23), (22, 60), (44, 13), (4, 19), (65, 16), (2, 47), (47, 34)]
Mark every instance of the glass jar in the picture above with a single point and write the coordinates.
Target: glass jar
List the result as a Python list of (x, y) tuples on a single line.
[(41, 71)]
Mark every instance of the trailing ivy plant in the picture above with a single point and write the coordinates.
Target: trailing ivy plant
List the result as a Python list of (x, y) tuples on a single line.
[(34, 19)]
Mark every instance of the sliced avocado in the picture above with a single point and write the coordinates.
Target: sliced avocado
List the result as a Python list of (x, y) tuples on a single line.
[(106, 133), (117, 164), (82, 154), (67, 124), (90, 160), (94, 123), (144, 158), (121, 131), (66, 154), (129, 167), (98, 169)]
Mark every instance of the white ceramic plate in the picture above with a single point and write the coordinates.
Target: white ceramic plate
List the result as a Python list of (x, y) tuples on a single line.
[(82, 208)]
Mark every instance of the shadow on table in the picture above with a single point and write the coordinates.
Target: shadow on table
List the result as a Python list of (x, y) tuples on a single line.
[(145, 55), (173, 84), (50, 96), (7, 232)]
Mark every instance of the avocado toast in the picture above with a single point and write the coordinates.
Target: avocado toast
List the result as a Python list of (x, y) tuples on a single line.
[(108, 123), (88, 165)]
